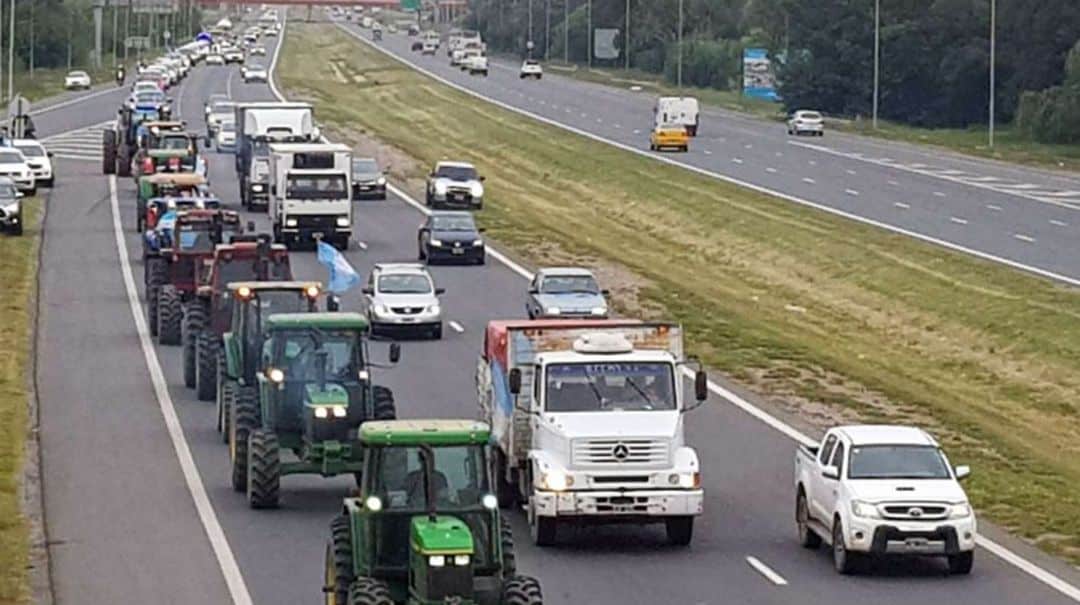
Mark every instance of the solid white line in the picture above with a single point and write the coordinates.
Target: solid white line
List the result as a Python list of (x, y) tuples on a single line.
[(457, 327), (234, 580), (993, 207), (851, 192), (1058, 223), (84, 158), (901, 205), (958, 220), (1024, 238), (69, 102), (766, 571)]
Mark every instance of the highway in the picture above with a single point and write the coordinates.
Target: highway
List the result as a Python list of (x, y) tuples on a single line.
[(138, 505)]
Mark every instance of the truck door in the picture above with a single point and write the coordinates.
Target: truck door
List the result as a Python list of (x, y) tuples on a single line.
[(819, 484)]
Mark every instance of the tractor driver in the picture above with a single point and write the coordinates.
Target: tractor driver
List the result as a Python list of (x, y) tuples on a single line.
[(415, 485)]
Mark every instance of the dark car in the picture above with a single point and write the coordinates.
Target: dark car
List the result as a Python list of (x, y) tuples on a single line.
[(416, 46), (368, 182), (450, 236)]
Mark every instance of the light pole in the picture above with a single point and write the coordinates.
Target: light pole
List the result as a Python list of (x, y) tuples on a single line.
[(127, 30), (547, 28), (993, 50), (877, 57), (115, 53), (11, 53), (566, 31), (626, 37), (678, 64), (529, 40)]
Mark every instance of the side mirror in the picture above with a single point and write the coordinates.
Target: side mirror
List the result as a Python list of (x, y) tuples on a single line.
[(395, 352), (534, 291), (481, 230), (962, 472), (605, 293), (830, 472), (440, 291), (483, 178), (515, 381), (701, 385), (49, 153), (368, 291)]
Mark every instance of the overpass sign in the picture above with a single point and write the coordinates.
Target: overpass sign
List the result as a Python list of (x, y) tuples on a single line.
[(410, 5)]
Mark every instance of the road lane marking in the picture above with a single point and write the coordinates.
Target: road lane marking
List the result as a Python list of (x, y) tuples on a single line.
[(994, 208), (812, 163), (1058, 223), (851, 172), (219, 543), (770, 170), (1024, 238), (851, 192), (901, 205), (707, 152), (70, 102), (766, 571), (808, 180), (958, 220), (893, 183), (457, 327), (361, 244), (939, 194), (737, 160)]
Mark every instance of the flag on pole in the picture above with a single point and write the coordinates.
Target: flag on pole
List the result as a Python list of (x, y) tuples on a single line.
[(342, 275)]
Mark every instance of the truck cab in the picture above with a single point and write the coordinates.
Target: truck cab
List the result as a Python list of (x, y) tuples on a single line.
[(310, 193)]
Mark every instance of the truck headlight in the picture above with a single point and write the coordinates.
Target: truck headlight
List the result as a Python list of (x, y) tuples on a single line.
[(687, 480), (290, 222), (961, 510), (599, 310), (552, 311), (556, 480), (477, 190), (864, 510), (435, 242), (343, 221)]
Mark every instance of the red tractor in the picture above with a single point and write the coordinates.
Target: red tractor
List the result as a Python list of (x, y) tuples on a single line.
[(177, 268), (208, 316)]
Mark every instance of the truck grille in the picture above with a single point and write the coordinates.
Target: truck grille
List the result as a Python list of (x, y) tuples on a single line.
[(406, 310), (620, 451), (914, 511)]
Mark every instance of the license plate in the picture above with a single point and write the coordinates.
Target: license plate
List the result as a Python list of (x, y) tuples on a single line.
[(917, 543), (459, 196), (408, 320), (317, 235), (458, 251)]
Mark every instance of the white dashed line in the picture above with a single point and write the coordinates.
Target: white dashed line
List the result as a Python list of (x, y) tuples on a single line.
[(779, 154), (584, 115), (748, 146), (599, 121), (812, 163), (1024, 238), (617, 126), (1058, 223), (707, 152), (939, 194), (893, 183), (766, 571), (851, 192), (636, 131), (994, 208), (958, 220), (457, 327), (809, 180), (901, 205), (737, 160), (361, 245), (851, 172), (770, 170)]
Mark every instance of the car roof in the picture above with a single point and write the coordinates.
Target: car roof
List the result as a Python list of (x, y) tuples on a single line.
[(450, 164), (450, 213), (416, 268), (565, 271), (871, 434)]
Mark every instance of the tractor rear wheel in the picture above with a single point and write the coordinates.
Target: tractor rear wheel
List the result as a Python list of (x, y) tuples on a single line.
[(245, 419), (123, 161), (227, 394), (264, 469), (383, 406), (522, 590), (170, 314), (369, 591), (156, 275), (108, 152), (506, 541), (209, 347), (194, 320), (339, 561)]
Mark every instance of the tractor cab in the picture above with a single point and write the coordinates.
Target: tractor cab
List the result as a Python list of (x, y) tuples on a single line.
[(160, 206), (426, 526), (165, 185), (165, 147)]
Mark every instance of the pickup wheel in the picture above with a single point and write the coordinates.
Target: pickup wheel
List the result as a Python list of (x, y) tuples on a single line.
[(808, 538), (843, 560), (960, 564), (680, 530)]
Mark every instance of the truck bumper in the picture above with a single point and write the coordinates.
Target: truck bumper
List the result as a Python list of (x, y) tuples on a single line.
[(308, 228), (619, 505), (916, 539)]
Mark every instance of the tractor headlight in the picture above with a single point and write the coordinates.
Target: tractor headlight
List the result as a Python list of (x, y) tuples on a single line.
[(373, 504), (243, 292), (490, 501), (275, 375), (343, 221), (437, 561), (363, 375), (290, 222), (322, 413), (340, 411), (461, 560), (312, 291)]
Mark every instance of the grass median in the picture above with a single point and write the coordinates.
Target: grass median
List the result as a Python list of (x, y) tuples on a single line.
[(833, 319), (18, 273)]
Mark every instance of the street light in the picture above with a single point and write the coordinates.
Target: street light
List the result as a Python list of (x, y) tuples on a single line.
[(678, 64), (877, 56), (993, 50)]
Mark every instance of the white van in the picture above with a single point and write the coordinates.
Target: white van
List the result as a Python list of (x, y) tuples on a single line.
[(677, 110)]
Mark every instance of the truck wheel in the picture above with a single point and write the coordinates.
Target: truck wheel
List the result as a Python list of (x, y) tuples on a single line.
[(808, 538), (680, 530), (170, 314), (194, 319), (245, 419), (108, 152), (506, 542), (522, 590), (264, 469), (369, 591), (339, 560), (383, 403), (544, 530), (209, 347), (960, 563), (843, 561), (226, 395)]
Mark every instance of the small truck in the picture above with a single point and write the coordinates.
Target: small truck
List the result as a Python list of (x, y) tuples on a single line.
[(587, 423), (874, 490), (311, 193)]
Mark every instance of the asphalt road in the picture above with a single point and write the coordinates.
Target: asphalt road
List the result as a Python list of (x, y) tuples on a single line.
[(124, 529)]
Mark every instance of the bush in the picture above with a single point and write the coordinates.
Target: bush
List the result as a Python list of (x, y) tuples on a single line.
[(1051, 115), (706, 63)]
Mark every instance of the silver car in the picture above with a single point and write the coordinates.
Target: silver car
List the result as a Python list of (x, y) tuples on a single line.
[(566, 293), (804, 121), (402, 297)]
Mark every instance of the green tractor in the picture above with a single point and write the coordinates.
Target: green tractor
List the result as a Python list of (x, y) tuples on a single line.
[(314, 390), (426, 527), (253, 302)]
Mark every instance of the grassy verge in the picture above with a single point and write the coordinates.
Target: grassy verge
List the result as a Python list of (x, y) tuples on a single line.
[(18, 264), (835, 319), (1009, 145)]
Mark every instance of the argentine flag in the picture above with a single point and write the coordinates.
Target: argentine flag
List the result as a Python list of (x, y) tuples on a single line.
[(342, 275)]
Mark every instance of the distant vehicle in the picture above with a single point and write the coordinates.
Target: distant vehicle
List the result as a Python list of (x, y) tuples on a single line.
[(682, 111), (669, 136), (402, 297), (368, 181), (531, 68), (414, 30), (144, 86), (366, 22), (257, 51), (450, 236), (226, 136), (10, 207), (218, 109), (877, 490), (215, 59), (455, 185), (565, 292), (805, 121), (38, 158), (13, 164), (254, 73), (376, 34), (233, 55), (433, 37), (77, 80), (416, 46), (475, 64), (429, 48)]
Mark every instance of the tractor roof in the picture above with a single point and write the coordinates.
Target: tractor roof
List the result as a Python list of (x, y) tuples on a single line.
[(180, 179), (273, 285), (206, 215), (421, 432), (323, 321)]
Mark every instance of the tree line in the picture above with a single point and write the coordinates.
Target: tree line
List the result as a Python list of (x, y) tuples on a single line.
[(935, 54)]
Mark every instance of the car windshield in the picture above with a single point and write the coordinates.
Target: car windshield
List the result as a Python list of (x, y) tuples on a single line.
[(30, 151), (456, 173), (317, 186), (897, 462), (810, 115), (308, 353), (148, 97), (77, 74), (569, 284), (404, 283), (223, 107), (601, 387), (11, 157), (462, 222), (255, 67), (364, 166)]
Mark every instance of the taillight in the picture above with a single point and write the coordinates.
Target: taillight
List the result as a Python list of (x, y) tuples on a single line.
[(148, 165), (174, 164)]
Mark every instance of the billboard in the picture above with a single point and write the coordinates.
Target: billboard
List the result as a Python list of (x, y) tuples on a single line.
[(604, 43), (759, 80)]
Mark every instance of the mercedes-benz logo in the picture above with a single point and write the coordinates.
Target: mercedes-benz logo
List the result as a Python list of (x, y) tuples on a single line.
[(620, 452), (914, 512)]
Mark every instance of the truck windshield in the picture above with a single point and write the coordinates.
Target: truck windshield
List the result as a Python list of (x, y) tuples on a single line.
[(317, 186), (601, 387), (897, 462)]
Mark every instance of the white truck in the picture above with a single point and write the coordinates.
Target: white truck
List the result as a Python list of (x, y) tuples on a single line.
[(874, 490), (310, 193), (257, 126), (587, 423), (683, 111)]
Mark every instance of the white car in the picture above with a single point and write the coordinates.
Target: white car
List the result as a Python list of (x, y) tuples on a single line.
[(226, 135), (403, 297), (77, 80), (429, 48), (455, 185), (257, 51), (531, 68), (10, 207), (144, 86), (38, 158), (13, 165), (475, 64), (877, 490), (804, 121), (456, 56), (215, 59), (233, 55), (253, 73)]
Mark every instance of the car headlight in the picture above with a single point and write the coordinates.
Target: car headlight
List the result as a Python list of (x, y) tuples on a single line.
[(433, 309), (864, 510), (12, 208), (556, 480), (440, 188), (477, 190), (380, 309), (343, 221), (599, 310), (381, 180), (290, 222), (553, 311), (478, 242), (960, 510), (435, 242)]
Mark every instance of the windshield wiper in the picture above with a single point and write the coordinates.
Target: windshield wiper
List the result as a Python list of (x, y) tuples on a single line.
[(595, 391), (648, 400)]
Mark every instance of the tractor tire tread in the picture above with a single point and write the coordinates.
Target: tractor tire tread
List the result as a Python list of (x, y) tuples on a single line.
[(245, 418), (264, 469), (170, 315), (522, 590), (369, 591)]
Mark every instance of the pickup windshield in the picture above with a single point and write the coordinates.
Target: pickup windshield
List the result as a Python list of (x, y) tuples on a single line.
[(897, 462), (456, 173), (317, 187), (601, 387)]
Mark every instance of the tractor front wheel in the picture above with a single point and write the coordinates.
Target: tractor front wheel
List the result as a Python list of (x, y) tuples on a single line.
[(194, 320), (108, 155), (506, 541), (226, 396), (209, 347), (264, 469), (244, 420), (369, 591), (522, 590), (339, 561), (170, 314)]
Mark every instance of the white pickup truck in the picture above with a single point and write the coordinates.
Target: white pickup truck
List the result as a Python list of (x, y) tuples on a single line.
[(875, 490)]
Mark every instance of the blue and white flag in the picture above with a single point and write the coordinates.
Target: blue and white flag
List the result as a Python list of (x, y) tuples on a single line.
[(342, 275)]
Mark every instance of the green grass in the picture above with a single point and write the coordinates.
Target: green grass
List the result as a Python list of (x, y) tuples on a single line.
[(1009, 145), (18, 273), (836, 319)]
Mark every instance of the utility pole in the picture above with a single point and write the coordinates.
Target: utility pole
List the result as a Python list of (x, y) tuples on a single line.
[(877, 58), (529, 39), (547, 28), (588, 34), (626, 37), (32, 2), (11, 54), (993, 59), (566, 31), (678, 65), (127, 30), (115, 32), (2, 49)]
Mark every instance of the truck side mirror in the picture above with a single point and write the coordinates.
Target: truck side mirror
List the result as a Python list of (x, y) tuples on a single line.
[(395, 352), (515, 381), (368, 291), (605, 293), (830, 472), (701, 385), (962, 472)]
